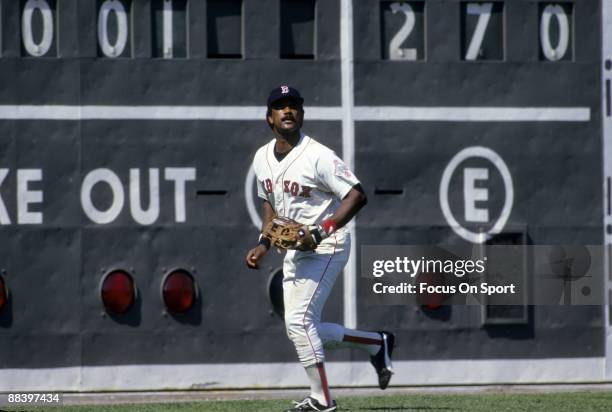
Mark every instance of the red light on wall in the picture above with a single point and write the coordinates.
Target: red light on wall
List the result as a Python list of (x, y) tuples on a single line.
[(431, 301), (179, 291), (117, 291), (3, 293)]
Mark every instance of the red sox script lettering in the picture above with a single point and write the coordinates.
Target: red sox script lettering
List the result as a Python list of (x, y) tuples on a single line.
[(293, 188), (267, 185)]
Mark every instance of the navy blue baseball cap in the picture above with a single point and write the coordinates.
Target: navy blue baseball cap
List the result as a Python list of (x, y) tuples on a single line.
[(283, 91)]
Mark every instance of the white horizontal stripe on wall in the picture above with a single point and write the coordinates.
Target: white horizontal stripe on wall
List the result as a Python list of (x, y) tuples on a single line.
[(360, 113), (473, 114)]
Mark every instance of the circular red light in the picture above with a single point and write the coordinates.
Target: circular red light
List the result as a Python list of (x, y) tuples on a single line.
[(3, 293), (179, 291), (431, 301), (117, 292)]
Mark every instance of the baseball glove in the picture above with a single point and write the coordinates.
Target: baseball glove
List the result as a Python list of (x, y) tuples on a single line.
[(285, 233)]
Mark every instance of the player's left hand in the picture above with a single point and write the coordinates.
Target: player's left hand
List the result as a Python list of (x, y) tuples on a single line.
[(255, 255)]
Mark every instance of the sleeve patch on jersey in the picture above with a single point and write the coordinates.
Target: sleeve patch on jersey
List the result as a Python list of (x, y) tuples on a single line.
[(342, 170)]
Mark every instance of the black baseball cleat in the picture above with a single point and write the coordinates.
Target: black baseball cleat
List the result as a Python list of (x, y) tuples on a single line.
[(311, 404), (382, 360)]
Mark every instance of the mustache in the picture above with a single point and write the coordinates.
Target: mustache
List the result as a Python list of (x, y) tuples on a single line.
[(288, 117)]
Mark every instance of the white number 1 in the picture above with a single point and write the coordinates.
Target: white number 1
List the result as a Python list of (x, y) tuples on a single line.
[(484, 15)]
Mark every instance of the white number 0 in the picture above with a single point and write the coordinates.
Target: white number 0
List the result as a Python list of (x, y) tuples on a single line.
[(31, 47), (112, 50), (395, 52), (558, 52)]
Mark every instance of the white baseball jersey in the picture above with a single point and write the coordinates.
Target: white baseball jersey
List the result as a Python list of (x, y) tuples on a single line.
[(307, 185)]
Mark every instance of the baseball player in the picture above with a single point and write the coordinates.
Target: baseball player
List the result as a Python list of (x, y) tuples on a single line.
[(299, 178)]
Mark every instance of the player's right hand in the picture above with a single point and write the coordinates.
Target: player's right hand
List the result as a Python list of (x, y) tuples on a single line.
[(254, 256)]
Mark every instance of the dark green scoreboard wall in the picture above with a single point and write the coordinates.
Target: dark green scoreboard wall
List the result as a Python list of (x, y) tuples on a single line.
[(555, 166), (53, 269)]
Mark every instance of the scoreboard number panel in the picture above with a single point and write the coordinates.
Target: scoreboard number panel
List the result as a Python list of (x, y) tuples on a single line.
[(480, 36), (556, 27), (482, 31), (169, 28), (402, 26), (38, 28), (113, 29)]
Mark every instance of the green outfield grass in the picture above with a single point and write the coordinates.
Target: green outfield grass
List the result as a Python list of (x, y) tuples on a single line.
[(565, 401)]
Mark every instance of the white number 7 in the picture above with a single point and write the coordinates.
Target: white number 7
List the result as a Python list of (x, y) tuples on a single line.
[(484, 15)]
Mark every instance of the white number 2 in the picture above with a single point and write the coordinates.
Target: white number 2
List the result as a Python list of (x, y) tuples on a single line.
[(395, 52), (484, 15), (558, 52)]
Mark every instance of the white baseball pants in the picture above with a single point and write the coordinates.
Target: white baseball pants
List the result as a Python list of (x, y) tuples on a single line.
[(308, 280)]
